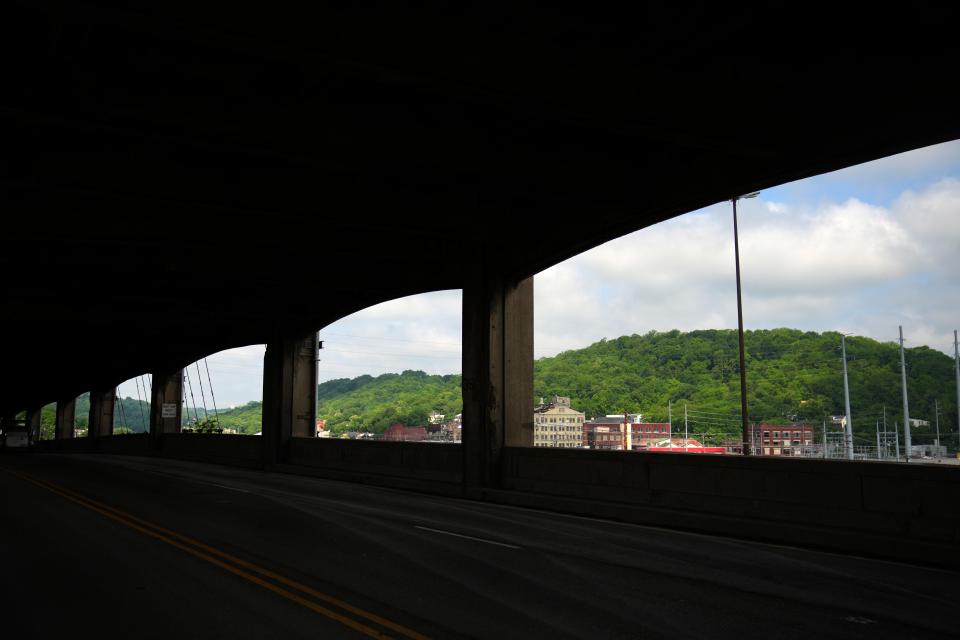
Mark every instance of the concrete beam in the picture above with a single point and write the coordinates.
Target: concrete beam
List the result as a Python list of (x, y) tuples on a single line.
[(101, 413), (166, 402), (497, 373), (33, 423), (289, 394), (66, 419)]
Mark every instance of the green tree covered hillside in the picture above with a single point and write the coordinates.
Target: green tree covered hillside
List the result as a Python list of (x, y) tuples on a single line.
[(792, 375)]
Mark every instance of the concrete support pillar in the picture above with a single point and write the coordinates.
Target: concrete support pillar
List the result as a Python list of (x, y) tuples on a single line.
[(289, 394), (497, 374), (65, 426), (166, 402), (101, 413), (33, 423)]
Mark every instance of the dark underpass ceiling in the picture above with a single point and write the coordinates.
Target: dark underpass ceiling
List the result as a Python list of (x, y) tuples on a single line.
[(181, 180)]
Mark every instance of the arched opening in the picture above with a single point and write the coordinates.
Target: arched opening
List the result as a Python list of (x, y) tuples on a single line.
[(223, 392), (393, 371), (643, 330), (131, 412)]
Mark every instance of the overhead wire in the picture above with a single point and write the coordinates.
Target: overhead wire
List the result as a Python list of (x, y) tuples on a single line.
[(203, 396), (136, 380), (196, 417), (123, 415), (212, 397)]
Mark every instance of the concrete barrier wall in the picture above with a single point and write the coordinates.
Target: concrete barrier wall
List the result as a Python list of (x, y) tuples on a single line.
[(67, 445), (911, 512), (129, 444), (233, 450), (434, 467)]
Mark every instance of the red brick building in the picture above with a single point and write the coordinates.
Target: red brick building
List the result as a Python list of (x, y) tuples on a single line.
[(402, 433), (607, 433), (781, 439)]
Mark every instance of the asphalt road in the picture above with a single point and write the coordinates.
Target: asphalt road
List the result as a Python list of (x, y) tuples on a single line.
[(133, 547)]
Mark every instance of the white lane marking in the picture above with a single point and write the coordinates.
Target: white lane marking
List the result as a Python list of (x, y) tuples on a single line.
[(223, 486), (460, 535)]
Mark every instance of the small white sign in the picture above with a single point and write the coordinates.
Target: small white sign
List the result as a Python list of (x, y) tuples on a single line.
[(168, 410)]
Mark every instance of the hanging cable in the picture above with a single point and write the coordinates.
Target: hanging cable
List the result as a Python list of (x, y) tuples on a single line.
[(203, 396), (139, 400), (119, 401), (212, 397), (145, 406), (196, 416)]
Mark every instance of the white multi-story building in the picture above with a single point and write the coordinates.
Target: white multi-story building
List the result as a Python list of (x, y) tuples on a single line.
[(557, 424)]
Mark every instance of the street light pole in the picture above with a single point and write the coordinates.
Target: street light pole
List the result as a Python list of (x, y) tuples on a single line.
[(743, 365)]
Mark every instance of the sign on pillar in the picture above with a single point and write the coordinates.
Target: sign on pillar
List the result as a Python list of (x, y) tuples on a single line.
[(166, 402)]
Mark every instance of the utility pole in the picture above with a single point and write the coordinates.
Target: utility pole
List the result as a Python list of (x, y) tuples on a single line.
[(956, 368), (685, 427), (629, 424), (936, 414), (670, 417), (848, 432), (878, 439), (906, 406), (623, 436), (886, 441), (824, 439), (743, 362), (896, 437)]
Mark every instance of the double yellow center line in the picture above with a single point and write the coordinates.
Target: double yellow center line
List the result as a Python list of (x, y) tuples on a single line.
[(260, 576)]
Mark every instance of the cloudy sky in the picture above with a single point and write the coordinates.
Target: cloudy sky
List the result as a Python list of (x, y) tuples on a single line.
[(861, 250)]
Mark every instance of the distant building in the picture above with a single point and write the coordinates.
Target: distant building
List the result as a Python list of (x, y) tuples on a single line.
[(928, 451), (322, 431), (402, 433), (607, 432), (557, 424), (683, 445), (435, 418), (782, 439)]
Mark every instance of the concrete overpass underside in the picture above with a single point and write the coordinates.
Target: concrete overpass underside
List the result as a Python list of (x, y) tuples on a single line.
[(298, 165)]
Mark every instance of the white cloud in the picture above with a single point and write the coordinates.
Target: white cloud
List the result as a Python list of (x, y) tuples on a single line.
[(416, 332), (849, 265), (933, 217), (838, 247)]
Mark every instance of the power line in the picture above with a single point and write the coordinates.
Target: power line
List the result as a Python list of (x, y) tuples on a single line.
[(203, 397), (196, 416), (123, 414), (139, 401), (212, 397)]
